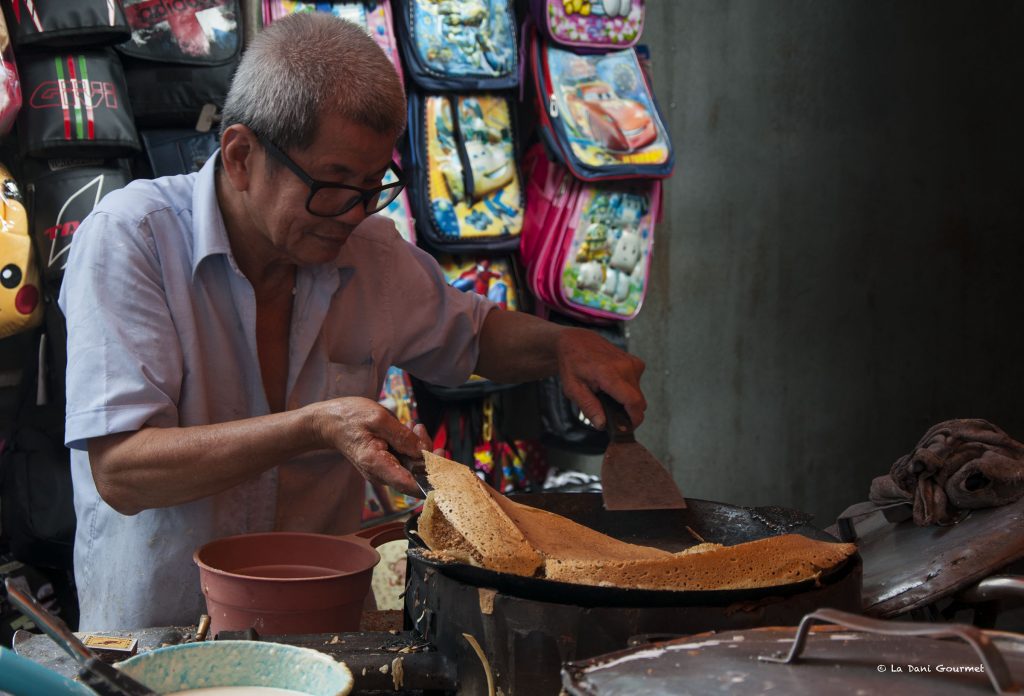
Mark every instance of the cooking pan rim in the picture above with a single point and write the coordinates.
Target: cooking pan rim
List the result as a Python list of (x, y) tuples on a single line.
[(542, 589)]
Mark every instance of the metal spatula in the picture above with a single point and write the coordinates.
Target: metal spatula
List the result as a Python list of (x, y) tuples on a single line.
[(416, 467), (99, 676), (631, 477)]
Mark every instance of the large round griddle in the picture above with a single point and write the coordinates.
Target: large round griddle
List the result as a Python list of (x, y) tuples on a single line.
[(671, 530)]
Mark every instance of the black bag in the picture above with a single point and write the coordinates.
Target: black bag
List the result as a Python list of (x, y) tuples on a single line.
[(563, 425), (74, 105), (60, 195), (66, 23), (181, 56), (36, 497), (178, 151)]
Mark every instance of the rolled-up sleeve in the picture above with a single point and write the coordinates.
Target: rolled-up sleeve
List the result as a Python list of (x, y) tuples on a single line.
[(436, 327), (124, 362)]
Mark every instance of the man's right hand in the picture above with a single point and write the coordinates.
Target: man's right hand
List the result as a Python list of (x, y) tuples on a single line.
[(364, 431)]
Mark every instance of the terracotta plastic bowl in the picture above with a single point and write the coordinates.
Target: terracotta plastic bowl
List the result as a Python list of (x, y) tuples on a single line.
[(239, 663), (290, 582)]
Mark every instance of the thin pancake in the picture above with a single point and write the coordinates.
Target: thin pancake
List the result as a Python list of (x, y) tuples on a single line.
[(466, 520)]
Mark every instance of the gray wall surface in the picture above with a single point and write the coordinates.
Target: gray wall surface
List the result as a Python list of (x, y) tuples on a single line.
[(839, 263)]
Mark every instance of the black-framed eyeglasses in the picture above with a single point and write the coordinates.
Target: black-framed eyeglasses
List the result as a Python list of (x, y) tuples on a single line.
[(327, 199)]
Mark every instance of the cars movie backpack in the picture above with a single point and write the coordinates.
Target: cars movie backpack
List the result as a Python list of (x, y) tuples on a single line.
[(180, 57), (66, 23), (590, 26), (21, 306), (372, 15), (598, 114), (466, 189), (587, 247), (464, 45), (60, 196)]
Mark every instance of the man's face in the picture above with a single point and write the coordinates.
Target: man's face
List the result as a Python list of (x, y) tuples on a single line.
[(341, 153)]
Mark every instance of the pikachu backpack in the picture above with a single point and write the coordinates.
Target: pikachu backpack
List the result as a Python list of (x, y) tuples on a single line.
[(21, 306)]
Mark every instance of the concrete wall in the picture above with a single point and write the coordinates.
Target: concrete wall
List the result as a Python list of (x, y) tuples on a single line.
[(839, 264)]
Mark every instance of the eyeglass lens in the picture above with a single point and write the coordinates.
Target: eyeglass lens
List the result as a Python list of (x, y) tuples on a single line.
[(331, 201)]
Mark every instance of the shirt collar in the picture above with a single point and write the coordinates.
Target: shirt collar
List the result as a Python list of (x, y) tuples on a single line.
[(211, 235)]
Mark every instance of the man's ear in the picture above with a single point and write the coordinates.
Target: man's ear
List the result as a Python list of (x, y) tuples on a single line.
[(238, 154)]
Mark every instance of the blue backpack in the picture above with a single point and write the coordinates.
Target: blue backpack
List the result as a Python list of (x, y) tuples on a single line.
[(467, 191), (463, 45)]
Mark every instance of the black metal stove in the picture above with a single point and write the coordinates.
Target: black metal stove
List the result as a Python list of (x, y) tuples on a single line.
[(462, 623), (521, 630)]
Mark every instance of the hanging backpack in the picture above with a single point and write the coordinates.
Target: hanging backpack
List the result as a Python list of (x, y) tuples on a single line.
[(587, 246), (181, 56), (590, 26), (466, 189), (60, 196), (177, 150), (496, 278), (463, 45), (597, 113), (66, 23), (75, 105), (397, 396), (372, 15), (399, 211), (21, 306), (36, 498), (10, 85), (471, 432)]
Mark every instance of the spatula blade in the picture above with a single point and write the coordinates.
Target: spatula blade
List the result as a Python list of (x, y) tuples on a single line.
[(633, 479), (416, 467)]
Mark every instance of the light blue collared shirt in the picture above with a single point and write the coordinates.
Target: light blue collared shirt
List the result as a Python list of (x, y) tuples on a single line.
[(162, 332)]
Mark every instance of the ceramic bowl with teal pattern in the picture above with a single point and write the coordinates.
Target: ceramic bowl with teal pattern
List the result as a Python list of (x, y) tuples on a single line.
[(239, 663)]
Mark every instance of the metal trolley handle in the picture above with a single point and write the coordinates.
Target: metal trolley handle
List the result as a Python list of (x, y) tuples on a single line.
[(995, 667)]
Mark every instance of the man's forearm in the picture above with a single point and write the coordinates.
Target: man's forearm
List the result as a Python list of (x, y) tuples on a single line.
[(159, 467), (517, 347)]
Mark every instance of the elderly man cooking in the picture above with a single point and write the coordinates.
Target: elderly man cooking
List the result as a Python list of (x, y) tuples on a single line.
[(229, 331)]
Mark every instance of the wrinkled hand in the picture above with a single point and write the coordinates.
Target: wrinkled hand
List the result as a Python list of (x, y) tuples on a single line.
[(588, 364), (364, 431)]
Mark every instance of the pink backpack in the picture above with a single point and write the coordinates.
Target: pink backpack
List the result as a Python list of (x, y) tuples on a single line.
[(10, 86), (587, 246), (590, 26), (372, 15)]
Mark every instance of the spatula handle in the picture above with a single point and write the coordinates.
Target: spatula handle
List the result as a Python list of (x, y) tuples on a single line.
[(617, 423), (48, 623)]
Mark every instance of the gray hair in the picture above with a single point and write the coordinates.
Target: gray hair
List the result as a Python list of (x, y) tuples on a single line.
[(309, 65)]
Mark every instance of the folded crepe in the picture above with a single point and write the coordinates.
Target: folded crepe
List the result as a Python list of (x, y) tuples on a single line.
[(466, 520)]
